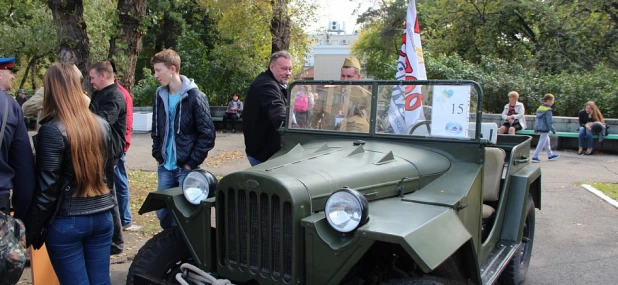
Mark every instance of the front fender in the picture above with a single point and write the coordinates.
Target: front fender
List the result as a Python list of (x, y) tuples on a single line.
[(524, 181), (428, 233), (194, 223)]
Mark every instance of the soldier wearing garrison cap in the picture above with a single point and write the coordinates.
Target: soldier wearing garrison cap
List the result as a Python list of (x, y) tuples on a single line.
[(16, 161), (351, 69)]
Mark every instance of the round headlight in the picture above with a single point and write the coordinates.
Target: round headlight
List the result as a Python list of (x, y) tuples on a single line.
[(346, 210), (197, 185)]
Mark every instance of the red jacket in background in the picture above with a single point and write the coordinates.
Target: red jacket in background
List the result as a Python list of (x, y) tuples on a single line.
[(129, 100)]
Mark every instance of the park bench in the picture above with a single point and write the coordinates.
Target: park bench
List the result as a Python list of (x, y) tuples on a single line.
[(568, 134), (569, 140)]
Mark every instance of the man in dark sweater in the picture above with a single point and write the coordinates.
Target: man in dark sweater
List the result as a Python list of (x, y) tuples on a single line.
[(108, 103), (265, 109)]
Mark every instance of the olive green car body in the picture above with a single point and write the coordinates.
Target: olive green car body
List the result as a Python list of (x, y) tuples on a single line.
[(267, 225)]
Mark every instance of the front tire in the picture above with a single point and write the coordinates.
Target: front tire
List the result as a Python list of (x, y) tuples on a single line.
[(517, 269), (160, 257)]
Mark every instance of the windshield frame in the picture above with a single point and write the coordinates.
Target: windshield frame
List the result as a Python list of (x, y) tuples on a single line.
[(374, 101)]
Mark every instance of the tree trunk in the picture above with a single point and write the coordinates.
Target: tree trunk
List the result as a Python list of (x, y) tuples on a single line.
[(33, 71), (280, 26), (73, 42), (125, 46), (23, 80)]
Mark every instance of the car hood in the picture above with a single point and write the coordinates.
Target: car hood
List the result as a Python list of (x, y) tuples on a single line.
[(376, 169)]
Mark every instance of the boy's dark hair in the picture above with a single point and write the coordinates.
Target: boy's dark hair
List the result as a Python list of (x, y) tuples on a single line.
[(548, 97), (168, 57)]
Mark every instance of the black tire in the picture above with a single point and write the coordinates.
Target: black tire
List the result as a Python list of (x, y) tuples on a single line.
[(413, 281), (517, 269), (160, 257)]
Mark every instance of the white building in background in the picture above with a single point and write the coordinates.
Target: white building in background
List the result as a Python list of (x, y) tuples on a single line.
[(330, 49)]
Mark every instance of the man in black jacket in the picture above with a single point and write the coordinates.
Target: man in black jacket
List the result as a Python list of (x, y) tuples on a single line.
[(265, 109), (182, 129), (108, 103), (16, 161)]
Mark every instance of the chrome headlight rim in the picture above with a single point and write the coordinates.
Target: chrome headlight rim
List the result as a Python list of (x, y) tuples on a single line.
[(197, 186), (360, 202)]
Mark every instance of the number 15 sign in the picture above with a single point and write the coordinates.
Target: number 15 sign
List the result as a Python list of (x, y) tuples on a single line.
[(450, 111)]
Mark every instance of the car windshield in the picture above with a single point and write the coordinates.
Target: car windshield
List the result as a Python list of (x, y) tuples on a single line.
[(435, 109)]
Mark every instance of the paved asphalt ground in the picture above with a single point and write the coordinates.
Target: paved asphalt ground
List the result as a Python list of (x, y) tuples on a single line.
[(576, 239)]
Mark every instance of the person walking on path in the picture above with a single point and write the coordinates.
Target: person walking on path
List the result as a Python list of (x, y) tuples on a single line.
[(543, 125), (71, 211), (265, 109), (182, 129), (587, 117), (16, 160), (233, 112), (108, 103)]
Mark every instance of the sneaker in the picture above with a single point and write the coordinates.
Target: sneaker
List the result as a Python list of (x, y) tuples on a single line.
[(132, 228), (536, 160), (224, 131), (553, 157), (233, 130)]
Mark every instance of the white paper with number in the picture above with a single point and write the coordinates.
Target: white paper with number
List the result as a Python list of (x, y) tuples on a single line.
[(450, 111)]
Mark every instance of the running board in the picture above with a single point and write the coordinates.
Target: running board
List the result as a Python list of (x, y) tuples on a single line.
[(497, 260)]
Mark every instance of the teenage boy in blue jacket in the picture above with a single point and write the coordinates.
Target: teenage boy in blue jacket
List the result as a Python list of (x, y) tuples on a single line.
[(543, 125)]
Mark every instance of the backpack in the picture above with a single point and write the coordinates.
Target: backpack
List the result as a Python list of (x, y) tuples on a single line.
[(12, 249), (302, 103)]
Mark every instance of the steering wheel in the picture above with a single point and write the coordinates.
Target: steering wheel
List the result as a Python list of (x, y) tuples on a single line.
[(418, 124)]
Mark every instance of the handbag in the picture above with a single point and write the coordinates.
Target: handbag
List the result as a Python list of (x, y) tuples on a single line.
[(12, 234)]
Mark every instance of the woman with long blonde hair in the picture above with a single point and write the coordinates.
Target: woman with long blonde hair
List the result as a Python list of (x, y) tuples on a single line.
[(588, 116), (71, 209)]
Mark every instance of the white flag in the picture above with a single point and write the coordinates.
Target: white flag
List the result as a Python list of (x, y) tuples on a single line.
[(406, 102)]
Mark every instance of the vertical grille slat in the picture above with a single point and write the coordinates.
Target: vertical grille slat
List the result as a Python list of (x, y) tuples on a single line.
[(242, 228), (221, 227), (287, 241), (254, 231), (276, 235), (259, 233), (231, 217), (264, 244)]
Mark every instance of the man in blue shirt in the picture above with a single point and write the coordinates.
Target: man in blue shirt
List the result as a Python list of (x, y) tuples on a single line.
[(182, 129)]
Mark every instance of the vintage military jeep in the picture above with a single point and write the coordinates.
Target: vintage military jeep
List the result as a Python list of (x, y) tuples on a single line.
[(362, 193)]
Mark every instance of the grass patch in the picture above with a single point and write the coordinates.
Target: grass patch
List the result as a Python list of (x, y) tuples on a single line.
[(609, 189), (142, 183)]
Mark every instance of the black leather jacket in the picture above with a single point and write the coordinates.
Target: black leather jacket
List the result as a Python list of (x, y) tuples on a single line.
[(55, 176)]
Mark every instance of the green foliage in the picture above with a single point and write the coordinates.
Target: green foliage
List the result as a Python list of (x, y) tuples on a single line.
[(28, 34), (144, 90), (223, 45), (568, 48), (497, 78), (97, 14)]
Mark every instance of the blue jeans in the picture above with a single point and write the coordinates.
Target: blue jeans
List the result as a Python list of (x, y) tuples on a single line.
[(585, 134), (253, 161), (122, 191), (78, 248), (169, 179)]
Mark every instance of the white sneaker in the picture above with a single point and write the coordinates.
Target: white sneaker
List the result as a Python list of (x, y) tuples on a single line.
[(132, 228)]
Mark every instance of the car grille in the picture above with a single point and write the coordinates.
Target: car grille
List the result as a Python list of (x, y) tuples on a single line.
[(255, 233)]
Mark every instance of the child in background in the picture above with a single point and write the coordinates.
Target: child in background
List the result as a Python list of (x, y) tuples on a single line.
[(543, 125)]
